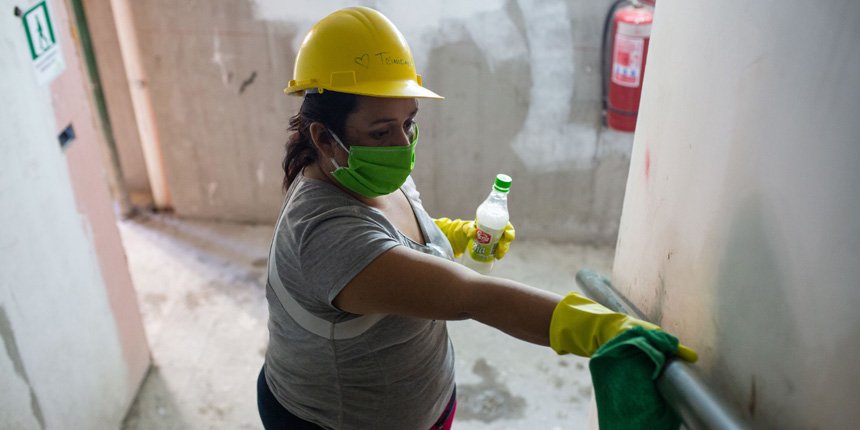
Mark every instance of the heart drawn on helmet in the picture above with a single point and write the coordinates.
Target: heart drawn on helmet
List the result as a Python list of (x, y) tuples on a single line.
[(363, 61)]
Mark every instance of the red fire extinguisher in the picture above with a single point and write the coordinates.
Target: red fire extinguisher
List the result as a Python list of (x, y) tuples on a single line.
[(631, 34)]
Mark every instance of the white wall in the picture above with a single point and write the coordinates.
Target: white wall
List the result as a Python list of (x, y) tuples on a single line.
[(521, 81), (740, 227), (73, 352)]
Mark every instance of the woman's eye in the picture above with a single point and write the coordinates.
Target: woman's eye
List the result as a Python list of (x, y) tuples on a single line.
[(409, 125), (378, 134)]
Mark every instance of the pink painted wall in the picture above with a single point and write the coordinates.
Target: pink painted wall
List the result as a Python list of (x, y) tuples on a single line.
[(72, 101)]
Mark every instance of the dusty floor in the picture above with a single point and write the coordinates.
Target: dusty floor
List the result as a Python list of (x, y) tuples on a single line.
[(201, 292)]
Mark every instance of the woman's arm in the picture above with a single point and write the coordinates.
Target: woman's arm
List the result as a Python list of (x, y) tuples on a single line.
[(405, 282)]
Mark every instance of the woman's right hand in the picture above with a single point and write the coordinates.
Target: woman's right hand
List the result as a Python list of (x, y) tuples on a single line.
[(580, 326)]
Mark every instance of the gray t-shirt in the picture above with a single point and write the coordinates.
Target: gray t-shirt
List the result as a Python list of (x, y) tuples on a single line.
[(399, 373)]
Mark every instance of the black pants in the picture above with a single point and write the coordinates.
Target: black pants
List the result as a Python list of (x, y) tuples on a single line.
[(273, 414)]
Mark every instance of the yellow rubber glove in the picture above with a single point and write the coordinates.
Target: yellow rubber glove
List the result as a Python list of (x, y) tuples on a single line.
[(460, 231), (580, 326), (508, 236)]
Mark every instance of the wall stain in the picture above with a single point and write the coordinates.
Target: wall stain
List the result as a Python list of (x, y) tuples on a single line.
[(247, 82), (489, 400), (15, 356), (516, 15), (192, 300), (750, 279), (752, 402), (656, 313), (647, 164)]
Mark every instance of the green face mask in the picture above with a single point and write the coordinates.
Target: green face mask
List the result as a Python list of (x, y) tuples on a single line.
[(376, 171)]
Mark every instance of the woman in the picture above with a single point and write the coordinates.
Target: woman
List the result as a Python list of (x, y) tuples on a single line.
[(361, 280)]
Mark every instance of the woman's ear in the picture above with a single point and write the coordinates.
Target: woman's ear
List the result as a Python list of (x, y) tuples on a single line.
[(322, 139)]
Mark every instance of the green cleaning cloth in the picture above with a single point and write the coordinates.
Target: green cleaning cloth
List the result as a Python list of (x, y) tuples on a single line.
[(624, 371)]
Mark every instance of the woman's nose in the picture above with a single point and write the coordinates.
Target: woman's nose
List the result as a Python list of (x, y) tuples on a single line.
[(410, 134), (405, 138)]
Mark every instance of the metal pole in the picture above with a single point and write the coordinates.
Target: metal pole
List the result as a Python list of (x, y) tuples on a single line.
[(679, 384)]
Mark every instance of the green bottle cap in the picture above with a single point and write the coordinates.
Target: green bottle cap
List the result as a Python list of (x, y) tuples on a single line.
[(503, 183)]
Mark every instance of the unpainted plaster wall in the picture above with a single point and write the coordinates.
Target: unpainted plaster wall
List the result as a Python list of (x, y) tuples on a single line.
[(740, 224), (103, 31), (523, 97), (73, 350)]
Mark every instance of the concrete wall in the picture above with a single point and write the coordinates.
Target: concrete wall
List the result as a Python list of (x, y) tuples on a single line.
[(73, 350), (522, 88), (103, 31), (740, 226)]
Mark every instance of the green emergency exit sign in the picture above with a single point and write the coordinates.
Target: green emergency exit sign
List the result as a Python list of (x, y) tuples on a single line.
[(42, 40)]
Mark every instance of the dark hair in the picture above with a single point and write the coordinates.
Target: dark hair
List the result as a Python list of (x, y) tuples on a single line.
[(328, 107)]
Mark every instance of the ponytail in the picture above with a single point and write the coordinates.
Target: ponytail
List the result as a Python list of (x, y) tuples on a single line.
[(328, 107)]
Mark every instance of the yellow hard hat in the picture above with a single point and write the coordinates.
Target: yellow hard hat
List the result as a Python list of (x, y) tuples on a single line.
[(357, 51)]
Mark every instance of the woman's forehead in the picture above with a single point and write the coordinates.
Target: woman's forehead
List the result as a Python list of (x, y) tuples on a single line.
[(370, 110)]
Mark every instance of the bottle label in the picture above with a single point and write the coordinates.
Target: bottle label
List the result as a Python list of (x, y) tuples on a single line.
[(484, 246)]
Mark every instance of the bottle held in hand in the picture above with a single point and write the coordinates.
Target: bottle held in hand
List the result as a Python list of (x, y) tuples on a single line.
[(491, 219)]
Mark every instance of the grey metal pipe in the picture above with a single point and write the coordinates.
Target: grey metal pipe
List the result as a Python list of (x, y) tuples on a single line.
[(679, 384)]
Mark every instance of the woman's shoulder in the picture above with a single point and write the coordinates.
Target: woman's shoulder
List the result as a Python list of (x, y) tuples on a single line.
[(311, 202), (308, 195)]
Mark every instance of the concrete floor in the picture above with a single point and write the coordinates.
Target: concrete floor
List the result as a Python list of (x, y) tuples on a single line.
[(201, 292)]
